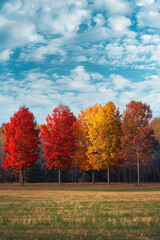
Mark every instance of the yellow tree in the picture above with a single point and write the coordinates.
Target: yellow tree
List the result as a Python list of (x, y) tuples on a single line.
[(82, 136), (155, 124), (105, 134)]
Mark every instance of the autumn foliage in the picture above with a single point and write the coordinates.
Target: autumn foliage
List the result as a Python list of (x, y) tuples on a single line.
[(99, 139), (105, 135), (82, 136), (58, 138), (138, 139), (21, 147), (155, 124)]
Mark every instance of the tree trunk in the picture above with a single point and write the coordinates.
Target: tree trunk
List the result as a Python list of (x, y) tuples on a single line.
[(72, 173), (108, 175), (93, 176), (59, 176), (1, 173), (119, 174), (21, 176), (138, 177), (125, 174), (75, 174), (142, 178), (83, 175), (130, 174)]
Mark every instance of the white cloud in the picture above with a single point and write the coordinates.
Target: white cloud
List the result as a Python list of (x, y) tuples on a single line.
[(103, 35), (152, 38), (149, 14), (5, 55), (114, 50), (99, 19), (114, 6), (82, 58), (23, 22), (119, 82), (11, 6), (50, 16), (3, 22), (78, 89), (119, 24), (38, 54), (79, 80), (144, 2)]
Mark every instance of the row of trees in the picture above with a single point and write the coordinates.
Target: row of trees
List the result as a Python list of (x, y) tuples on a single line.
[(99, 139)]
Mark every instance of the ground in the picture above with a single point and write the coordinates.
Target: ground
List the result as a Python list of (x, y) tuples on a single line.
[(79, 211)]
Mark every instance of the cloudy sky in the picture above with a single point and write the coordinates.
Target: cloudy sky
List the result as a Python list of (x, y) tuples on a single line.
[(78, 53)]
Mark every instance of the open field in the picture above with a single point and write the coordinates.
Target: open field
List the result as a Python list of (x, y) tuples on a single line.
[(79, 211)]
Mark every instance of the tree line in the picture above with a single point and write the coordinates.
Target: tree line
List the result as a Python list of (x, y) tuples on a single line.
[(99, 140)]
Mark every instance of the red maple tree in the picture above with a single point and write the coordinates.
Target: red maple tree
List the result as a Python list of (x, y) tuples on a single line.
[(21, 147), (58, 138), (138, 139)]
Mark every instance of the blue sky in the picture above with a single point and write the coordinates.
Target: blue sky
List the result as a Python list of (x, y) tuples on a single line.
[(78, 53)]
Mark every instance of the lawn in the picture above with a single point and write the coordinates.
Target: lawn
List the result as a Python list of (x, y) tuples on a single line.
[(79, 211)]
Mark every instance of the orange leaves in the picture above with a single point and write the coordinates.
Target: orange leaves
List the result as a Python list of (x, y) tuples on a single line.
[(138, 137), (82, 135)]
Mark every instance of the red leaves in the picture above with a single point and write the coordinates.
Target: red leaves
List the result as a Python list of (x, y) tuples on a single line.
[(21, 140), (58, 138)]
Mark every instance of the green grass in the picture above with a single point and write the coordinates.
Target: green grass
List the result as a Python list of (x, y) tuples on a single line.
[(79, 211)]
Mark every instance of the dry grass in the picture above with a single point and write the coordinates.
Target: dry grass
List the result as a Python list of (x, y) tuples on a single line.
[(80, 211)]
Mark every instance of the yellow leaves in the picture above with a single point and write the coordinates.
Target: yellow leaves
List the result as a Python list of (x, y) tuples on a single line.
[(83, 140), (105, 136), (155, 124), (98, 137)]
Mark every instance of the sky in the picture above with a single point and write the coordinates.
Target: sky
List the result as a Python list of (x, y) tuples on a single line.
[(78, 53)]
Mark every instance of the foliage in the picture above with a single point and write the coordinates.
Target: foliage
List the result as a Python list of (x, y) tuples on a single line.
[(21, 140), (105, 135), (138, 139), (82, 136), (58, 138), (155, 124), (1, 141)]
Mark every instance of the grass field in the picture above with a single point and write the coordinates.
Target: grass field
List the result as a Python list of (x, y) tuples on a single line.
[(79, 211)]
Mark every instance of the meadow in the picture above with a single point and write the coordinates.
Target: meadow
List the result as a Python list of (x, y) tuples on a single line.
[(79, 211)]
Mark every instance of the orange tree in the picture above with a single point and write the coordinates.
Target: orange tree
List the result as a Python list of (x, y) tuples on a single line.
[(138, 139), (21, 146), (58, 138), (105, 135), (83, 140)]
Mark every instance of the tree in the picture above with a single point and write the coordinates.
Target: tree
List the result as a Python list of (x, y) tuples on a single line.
[(1, 151), (21, 145), (83, 140), (155, 124), (105, 135), (58, 138), (138, 139)]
